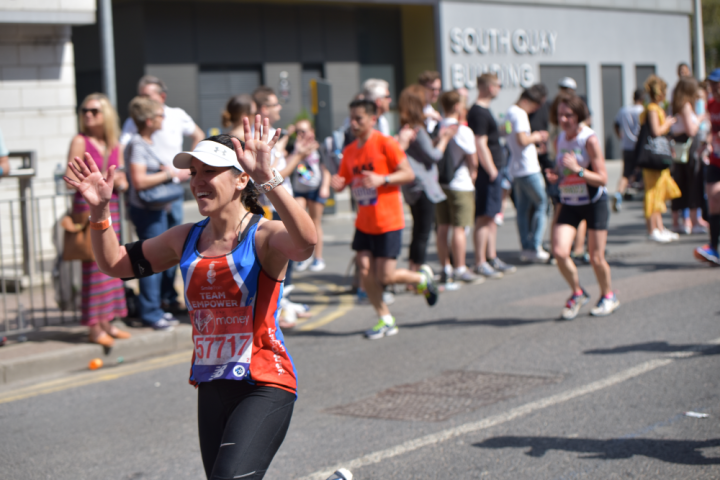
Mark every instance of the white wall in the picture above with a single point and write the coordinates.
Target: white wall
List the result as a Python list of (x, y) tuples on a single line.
[(37, 97), (582, 36)]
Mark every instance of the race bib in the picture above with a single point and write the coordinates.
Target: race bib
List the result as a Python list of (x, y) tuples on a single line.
[(574, 191), (223, 339), (364, 196)]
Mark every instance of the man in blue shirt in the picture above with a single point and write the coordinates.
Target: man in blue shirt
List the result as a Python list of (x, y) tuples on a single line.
[(627, 127)]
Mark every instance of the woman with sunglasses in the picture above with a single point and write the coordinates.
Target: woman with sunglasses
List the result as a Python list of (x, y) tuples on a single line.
[(233, 263), (103, 297), (581, 177)]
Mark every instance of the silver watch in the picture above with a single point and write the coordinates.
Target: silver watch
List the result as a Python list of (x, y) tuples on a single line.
[(272, 184)]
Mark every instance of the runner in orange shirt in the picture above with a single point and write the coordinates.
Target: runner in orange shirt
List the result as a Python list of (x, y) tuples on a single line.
[(375, 166)]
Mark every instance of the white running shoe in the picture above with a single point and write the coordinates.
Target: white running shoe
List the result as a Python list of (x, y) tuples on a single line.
[(302, 266), (605, 306), (342, 474), (658, 237), (318, 265), (381, 329), (537, 256)]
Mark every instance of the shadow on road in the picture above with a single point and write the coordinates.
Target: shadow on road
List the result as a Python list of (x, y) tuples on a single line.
[(659, 347), (685, 452)]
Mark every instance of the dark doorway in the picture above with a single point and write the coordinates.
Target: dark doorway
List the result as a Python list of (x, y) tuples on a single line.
[(642, 72), (612, 93)]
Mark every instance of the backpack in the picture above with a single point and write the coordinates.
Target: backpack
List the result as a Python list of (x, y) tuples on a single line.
[(446, 167)]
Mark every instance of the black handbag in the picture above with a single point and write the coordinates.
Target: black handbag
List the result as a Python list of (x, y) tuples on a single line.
[(652, 153)]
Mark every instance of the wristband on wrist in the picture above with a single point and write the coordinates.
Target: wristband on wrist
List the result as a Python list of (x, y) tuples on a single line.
[(103, 225)]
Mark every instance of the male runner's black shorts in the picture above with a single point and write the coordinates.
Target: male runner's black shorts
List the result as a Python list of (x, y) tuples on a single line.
[(596, 214), (384, 245), (712, 174)]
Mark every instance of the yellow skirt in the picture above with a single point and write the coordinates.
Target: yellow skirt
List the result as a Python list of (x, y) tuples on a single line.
[(659, 188)]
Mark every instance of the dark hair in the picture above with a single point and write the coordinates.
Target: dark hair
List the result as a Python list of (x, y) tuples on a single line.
[(428, 76), (411, 104), (368, 105), (449, 99), (531, 94), (261, 95), (541, 89), (639, 95), (681, 65), (574, 102), (249, 196), (237, 107)]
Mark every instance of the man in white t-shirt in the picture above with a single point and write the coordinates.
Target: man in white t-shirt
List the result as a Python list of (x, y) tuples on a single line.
[(528, 182), (378, 91), (433, 86), (167, 142), (457, 211)]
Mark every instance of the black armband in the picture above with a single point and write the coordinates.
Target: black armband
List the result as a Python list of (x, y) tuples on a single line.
[(140, 265)]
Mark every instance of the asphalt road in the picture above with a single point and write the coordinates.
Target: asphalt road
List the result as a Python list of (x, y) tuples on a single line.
[(488, 384)]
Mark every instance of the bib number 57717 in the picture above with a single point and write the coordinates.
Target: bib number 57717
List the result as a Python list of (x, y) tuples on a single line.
[(220, 349)]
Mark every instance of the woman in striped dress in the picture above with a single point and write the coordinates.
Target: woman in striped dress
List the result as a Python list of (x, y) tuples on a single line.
[(103, 297)]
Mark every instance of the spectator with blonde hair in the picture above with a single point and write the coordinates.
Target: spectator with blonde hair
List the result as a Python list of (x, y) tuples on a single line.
[(659, 184), (103, 297)]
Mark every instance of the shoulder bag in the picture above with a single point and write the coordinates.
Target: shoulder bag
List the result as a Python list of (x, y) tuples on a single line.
[(162, 194), (76, 239), (652, 153)]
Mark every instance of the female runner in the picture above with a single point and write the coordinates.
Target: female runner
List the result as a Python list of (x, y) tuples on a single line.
[(233, 263), (580, 171)]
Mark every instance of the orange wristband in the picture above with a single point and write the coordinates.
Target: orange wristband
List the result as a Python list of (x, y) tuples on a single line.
[(105, 224)]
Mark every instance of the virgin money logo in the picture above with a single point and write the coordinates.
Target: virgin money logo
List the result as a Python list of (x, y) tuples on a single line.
[(204, 321)]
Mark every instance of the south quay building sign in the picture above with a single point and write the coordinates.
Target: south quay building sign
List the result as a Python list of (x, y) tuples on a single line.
[(467, 43)]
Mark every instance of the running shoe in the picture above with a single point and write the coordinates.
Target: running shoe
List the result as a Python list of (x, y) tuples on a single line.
[(318, 265), (342, 474), (501, 266), (684, 229), (499, 219), (658, 237), (487, 271), (381, 329), (302, 266), (617, 200), (388, 298), (581, 259), (707, 254), (698, 230), (170, 318), (163, 324), (467, 276), (574, 304), (605, 306), (428, 287), (537, 256), (362, 298)]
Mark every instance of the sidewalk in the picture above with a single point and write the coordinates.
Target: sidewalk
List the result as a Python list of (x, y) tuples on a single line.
[(59, 349)]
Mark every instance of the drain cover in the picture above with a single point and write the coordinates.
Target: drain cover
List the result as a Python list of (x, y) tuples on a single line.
[(438, 398)]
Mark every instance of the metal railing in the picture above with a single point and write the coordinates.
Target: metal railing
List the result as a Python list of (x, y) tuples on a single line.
[(34, 288)]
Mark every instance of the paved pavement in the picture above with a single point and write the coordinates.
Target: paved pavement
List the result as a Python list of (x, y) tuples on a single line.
[(488, 384)]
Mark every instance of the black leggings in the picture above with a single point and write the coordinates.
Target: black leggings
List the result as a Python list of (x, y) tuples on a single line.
[(423, 213), (241, 427)]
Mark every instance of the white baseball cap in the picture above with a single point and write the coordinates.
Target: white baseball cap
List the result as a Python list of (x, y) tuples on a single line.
[(210, 153), (568, 82)]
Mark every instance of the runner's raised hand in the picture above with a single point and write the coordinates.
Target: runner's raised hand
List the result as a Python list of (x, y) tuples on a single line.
[(256, 158), (95, 189)]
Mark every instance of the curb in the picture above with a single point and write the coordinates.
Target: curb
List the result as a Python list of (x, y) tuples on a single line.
[(76, 357)]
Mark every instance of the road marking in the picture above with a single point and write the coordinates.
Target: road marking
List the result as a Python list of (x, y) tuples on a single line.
[(472, 427), (346, 304), (88, 378)]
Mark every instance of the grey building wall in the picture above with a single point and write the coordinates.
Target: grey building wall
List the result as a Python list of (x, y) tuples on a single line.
[(522, 38)]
